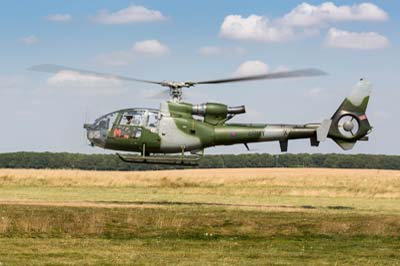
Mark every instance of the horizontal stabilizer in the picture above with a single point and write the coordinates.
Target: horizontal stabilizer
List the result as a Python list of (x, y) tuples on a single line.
[(323, 130)]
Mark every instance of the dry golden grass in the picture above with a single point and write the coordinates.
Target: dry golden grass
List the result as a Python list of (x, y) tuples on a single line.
[(51, 221), (285, 216), (290, 182)]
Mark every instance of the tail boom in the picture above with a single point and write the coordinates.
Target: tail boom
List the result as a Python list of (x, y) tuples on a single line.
[(348, 125), (248, 133)]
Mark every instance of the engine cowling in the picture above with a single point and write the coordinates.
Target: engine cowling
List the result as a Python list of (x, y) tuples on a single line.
[(215, 113)]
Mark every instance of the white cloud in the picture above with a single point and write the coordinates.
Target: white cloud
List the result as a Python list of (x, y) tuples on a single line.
[(150, 47), (282, 69), (30, 40), (305, 20), (12, 84), (10, 81), (217, 50), (84, 83), (255, 28), (355, 40), (131, 14), (315, 91), (79, 78), (306, 15), (118, 58), (59, 17), (254, 67), (24, 112), (210, 50)]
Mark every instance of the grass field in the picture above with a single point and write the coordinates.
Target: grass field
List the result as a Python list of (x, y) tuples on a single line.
[(200, 217)]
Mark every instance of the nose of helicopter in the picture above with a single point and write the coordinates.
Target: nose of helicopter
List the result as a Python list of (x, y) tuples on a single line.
[(94, 135)]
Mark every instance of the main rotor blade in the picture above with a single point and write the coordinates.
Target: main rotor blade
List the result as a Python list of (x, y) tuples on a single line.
[(49, 68), (309, 72)]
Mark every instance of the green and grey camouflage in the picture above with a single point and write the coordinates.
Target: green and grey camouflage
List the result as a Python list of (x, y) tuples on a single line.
[(179, 127)]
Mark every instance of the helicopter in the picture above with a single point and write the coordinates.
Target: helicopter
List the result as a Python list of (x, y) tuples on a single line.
[(166, 135)]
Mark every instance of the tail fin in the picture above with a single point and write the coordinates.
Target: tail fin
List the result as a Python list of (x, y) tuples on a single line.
[(349, 122)]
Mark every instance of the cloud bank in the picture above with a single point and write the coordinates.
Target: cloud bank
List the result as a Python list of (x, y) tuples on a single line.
[(355, 40), (254, 28), (218, 50), (84, 83), (150, 47), (30, 40), (252, 67), (59, 17), (302, 21), (129, 15), (306, 15), (145, 48)]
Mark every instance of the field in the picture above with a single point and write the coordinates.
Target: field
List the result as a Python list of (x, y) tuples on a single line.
[(200, 217)]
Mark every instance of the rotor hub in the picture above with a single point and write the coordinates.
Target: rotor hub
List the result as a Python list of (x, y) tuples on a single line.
[(348, 126), (175, 89)]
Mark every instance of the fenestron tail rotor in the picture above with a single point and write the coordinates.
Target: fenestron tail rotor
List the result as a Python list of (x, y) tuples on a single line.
[(348, 126), (175, 88)]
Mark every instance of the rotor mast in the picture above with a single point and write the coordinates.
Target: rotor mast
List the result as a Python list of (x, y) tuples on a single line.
[(176, 94), (175, 89)]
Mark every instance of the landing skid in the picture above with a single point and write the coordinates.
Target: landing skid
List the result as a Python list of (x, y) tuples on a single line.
[(160, 159)]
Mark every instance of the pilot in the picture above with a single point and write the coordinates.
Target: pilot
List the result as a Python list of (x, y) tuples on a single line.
[(129, 119)]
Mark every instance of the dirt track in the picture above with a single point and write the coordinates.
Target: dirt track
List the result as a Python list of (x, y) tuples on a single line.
[(143, 204)]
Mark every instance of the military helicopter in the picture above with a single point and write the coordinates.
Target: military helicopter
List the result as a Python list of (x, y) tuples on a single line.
[(179, 128)]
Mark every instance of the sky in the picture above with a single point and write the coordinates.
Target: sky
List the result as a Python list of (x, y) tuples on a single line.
[(195, 40)]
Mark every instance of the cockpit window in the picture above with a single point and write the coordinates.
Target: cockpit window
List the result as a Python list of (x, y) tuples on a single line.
[(107, 121), (134, 118)]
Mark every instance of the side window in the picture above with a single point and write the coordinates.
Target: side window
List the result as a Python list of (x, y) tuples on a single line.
[(111, 119), (137, 133), (137, 118), (153, 119)]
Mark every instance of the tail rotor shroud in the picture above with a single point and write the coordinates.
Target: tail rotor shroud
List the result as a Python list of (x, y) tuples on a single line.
[(350, 123), (348, 126)]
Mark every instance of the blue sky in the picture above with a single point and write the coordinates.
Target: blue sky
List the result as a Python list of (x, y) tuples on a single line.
[(187, 40)]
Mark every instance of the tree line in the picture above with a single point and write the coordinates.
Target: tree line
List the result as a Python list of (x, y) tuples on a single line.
[(50, 160)]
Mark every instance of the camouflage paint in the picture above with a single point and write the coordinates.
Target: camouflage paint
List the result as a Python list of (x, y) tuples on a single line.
[(179, 131)]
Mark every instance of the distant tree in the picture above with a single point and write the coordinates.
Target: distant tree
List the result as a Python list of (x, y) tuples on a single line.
[(112, 162)]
